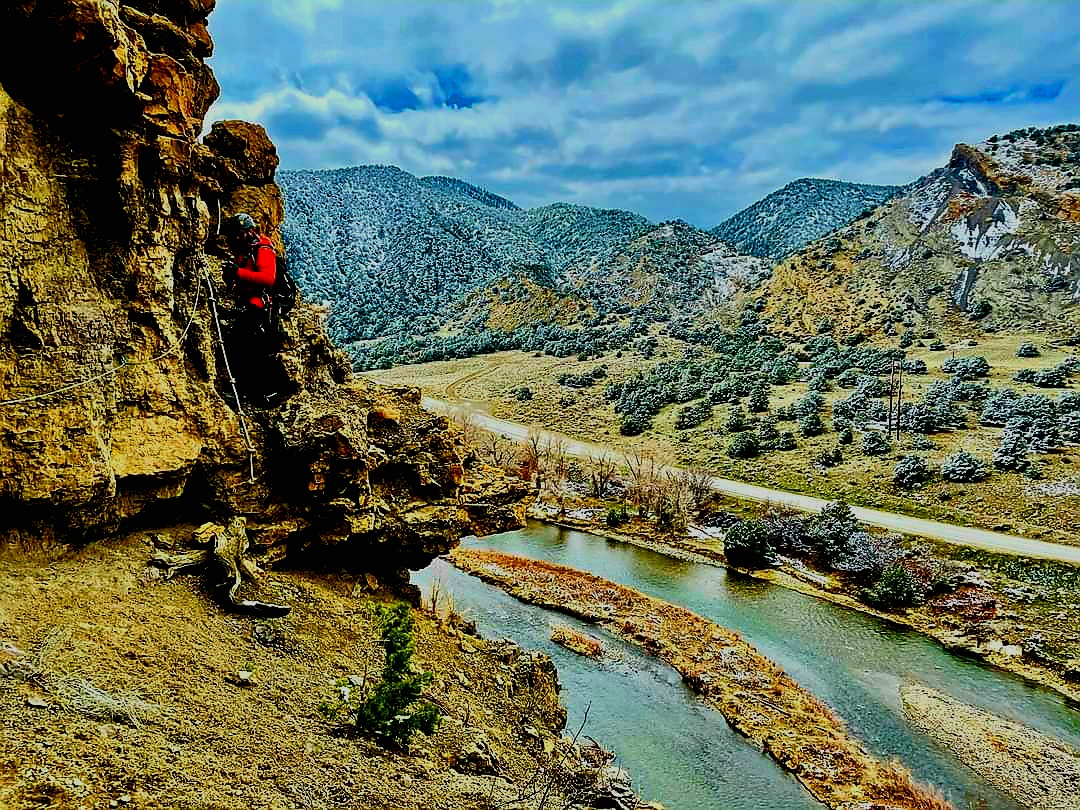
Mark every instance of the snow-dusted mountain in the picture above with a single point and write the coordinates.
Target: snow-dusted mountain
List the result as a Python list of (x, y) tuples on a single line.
[(397, 254), (799, 213), (673, 269), (392, 253), (992, 237)]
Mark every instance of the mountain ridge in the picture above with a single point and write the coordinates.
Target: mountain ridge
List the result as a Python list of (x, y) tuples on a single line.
[(990, 240), (798, 213)]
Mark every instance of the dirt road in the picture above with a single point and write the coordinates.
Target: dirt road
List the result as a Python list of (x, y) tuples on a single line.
[(947, 532)]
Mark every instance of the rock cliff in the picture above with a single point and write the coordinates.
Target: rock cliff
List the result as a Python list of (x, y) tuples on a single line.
[(113, 396)]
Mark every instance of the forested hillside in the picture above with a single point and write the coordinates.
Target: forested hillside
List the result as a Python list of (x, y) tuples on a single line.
[(799, 213), (398, 255)]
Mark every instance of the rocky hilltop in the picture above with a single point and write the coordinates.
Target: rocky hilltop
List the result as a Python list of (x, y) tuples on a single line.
[(113, 396), (988, 240)]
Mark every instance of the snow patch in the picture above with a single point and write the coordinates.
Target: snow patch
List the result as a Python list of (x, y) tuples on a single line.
[(978, 238)]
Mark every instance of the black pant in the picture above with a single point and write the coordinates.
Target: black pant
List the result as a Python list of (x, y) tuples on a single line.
[(252, 343)]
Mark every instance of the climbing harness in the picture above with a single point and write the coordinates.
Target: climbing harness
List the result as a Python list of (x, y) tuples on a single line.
[(204, 277)]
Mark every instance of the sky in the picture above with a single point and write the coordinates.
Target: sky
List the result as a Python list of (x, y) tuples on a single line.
[(671, 108)]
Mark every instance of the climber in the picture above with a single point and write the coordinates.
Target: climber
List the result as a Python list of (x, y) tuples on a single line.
[(252, 341)]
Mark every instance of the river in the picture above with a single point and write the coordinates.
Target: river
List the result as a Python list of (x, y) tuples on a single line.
[(685, 755)]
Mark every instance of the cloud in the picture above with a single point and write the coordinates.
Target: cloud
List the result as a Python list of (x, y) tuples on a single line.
[(691, 109)]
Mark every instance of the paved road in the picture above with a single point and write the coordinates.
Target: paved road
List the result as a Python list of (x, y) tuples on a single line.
[(957, 535)]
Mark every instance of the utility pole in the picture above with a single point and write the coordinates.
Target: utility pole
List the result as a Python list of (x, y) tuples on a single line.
[(899, 394), (892, 394)]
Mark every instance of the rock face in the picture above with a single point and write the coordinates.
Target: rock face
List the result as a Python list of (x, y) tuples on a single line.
[(111, 380)]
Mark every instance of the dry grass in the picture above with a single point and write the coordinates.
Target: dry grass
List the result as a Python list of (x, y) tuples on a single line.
[(576, 641), (79, 694)]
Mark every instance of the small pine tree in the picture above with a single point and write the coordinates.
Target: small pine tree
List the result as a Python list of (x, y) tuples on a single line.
[(811, 425), (961, 467), (746, 544), (875, 444), (758, 402), (736, 420), (389, 710), (767, 431), (1027, 350), (1012, 451), (743, 445), (911, 471), (897, 587), (786, 441)]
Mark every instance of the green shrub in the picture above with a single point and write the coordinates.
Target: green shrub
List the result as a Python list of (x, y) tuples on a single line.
[(897, 587), (758, 401), (743, 445), (746, 544), (875, 443), (962, 467), (911, 471), (811, 425), (617, 517), (389, 710), (785, 440)]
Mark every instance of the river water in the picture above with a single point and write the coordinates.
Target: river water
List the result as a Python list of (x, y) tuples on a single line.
[(684, 754)]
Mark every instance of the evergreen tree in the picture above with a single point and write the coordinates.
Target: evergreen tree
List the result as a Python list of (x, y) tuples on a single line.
[(736, 420), (962, 467), (1012, 451), (911, 471), (811, 425), (759, 398), (875, 443), (390, 710)]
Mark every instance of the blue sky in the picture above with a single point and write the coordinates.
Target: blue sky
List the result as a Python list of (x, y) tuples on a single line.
[(672, 109)]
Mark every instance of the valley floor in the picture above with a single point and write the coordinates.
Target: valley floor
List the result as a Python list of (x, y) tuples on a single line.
[(1009, 503)]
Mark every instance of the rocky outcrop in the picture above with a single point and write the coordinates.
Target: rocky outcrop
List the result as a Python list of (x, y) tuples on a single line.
[(113, 398), (988, 240)]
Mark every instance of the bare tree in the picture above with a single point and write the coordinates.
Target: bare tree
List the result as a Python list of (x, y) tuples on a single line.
[(496, 450), (559, 462), (672, 499), (535, 457), (698, 486), (641, 466), (469, 432), (601, 472)]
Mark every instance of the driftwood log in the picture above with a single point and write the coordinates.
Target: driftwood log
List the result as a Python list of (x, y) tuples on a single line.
[(223, 550)]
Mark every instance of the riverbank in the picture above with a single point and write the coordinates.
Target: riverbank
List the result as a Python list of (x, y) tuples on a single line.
[(997, 646), (1038, 771), (754, 695)]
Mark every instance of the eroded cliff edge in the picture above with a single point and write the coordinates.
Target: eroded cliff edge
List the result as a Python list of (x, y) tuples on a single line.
[(110, 207)]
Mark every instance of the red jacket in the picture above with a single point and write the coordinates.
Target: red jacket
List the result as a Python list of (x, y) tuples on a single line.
[(256, 272)]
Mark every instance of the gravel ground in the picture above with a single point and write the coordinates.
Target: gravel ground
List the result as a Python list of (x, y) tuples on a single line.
[(1038, 771)]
